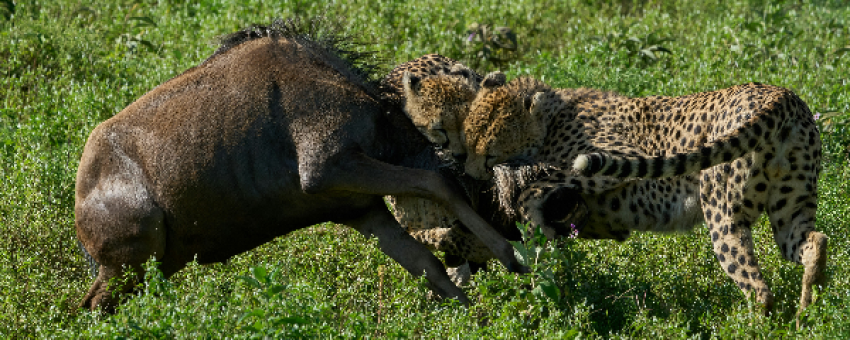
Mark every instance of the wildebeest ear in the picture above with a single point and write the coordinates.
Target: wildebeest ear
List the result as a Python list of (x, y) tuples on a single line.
[(411, 82), (494, 79)]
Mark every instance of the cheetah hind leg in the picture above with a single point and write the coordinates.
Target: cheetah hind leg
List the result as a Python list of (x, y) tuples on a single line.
[(814, 260), (458, 269)]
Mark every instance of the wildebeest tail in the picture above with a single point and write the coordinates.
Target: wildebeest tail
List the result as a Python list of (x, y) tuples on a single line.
[(92, 263)]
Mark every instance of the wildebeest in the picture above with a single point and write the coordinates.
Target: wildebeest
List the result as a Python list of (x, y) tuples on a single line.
[(278, 130)]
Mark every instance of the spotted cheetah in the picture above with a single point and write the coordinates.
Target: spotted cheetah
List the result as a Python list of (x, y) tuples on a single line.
[(665, 163), (429, 98), (425, 220)]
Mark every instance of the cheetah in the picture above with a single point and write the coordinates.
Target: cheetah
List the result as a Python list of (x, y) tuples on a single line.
[(663, 164), (426, 221), (454, 90)]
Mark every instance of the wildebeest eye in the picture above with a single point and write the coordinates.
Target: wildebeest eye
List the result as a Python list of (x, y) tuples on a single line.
[(491, 161)]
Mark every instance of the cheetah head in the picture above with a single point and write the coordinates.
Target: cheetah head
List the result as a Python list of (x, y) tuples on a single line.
[(438, 104), (502, 123)]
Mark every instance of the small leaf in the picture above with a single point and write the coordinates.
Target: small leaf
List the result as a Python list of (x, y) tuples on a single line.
[(252, 328), (147, 44), (297, 320), (260, 274), (520, 251), (550, 290), (571, 334), (538, 291), (177, 54), (143, 21), (255, 312), (548, 275), (274, 290), (648, 54), (657, 48), (249, 280), (273, 275)]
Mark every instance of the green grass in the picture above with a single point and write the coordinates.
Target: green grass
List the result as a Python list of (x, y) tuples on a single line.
[(66, 67)]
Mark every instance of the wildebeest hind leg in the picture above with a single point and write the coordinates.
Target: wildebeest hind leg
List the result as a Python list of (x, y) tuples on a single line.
[(136, 233), (404, 249), (355, 172)]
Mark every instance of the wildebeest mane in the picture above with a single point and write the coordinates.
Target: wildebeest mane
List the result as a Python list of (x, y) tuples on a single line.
[(318, 33)]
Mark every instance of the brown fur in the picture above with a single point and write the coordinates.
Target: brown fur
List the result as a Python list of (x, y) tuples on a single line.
[(269, 135)]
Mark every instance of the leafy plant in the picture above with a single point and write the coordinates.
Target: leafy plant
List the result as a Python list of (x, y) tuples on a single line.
[(768, 37), (639, 51), (536, 252), (133, 38), (258, 320), (486, 44)]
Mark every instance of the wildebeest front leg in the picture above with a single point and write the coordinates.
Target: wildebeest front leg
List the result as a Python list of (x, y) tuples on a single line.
[(403, 248), (355, 172)]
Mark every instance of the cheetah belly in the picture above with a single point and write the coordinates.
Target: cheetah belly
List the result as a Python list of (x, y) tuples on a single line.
[(667, 205)]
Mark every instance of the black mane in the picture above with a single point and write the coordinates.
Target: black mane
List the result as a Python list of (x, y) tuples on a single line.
[(317, 33)]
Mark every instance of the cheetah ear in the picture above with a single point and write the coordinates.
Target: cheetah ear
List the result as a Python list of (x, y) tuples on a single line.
[(532, 102), (494, 79), (461, 70), (468, 74), (411, 83)]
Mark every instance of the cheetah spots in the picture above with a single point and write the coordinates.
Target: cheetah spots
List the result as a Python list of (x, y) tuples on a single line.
[(615, 204), (779, 204)]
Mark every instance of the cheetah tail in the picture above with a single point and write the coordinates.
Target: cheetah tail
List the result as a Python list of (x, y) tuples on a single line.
[(725, 149)]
